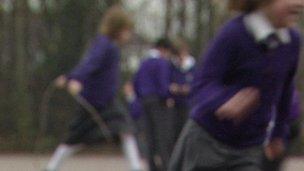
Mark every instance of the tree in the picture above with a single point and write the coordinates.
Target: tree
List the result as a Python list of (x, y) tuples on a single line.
[(20, 94), (168, 18), (182, 18), (199, 27)]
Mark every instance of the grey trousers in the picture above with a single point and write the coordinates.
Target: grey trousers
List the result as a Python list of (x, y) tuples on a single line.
[(196, 150), (158, 133)]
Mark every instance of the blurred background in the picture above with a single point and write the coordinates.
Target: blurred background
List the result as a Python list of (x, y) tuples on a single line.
[(41, 39)]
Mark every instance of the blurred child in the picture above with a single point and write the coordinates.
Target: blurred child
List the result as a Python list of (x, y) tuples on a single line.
[(294, 131), (136, 112), (96, 80), (151, 84), (182, 70), (248, 71)]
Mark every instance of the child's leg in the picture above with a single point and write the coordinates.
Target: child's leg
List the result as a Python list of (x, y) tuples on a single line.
[(151, 142), (249, 159), (62, 152), (79, 129), (141, 138), (162, 119), (131, 151), (196, 150)]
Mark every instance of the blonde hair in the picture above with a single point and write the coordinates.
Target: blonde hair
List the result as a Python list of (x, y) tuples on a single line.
[(114, 21)]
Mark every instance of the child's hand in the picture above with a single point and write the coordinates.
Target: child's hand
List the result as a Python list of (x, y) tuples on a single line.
[(240, 105), (60, 82), (275, 149), (129, 92), (170, 103), (174, 88), (128, 89), (74, 87)]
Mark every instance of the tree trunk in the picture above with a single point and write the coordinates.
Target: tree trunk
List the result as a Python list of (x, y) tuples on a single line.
[(113, 2), (199, 32), (168, 18), (21, 95), (212, 20), (182, 18)]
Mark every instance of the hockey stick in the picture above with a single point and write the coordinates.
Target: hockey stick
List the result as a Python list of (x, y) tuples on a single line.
[(95, 115), (92, 111)]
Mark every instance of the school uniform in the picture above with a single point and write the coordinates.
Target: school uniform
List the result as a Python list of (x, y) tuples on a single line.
[(181, 74), (151, 84), (248, 52), (99, 74), (292, 136)]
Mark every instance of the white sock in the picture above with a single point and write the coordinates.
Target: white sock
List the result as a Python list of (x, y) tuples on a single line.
[(62, 152), (131, 151)]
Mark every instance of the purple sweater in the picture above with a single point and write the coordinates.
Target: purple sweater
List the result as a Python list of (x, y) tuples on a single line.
[(99, 71), (295, 109), (153, 78), (180, 77), (234, 61), (136, 109)]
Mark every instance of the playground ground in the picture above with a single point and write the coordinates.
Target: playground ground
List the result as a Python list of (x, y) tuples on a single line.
[(95, 162)]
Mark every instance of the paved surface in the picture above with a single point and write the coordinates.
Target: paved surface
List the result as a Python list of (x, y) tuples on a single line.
[(86, 162)]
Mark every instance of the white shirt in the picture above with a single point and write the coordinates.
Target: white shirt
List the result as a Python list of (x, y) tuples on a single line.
[(188, 63), (261, 28), (153, 53)]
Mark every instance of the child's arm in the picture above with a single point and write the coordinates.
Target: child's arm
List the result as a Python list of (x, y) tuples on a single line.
[(164, 78), (276, 147), (211, 85), (281, 122), (92, 62), (284, 105), (240, 105)]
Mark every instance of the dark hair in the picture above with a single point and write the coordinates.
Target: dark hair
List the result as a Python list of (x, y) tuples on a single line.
[(247, 5), (163, 43), (181, 44)]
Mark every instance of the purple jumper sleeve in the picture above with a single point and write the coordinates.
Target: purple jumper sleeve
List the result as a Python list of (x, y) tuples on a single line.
[(295, 109), (281, 121), (164, 78), (284, 106), (94, 59)]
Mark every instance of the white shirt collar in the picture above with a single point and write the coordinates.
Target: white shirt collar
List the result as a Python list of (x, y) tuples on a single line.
[(153, 53), (259, 25), (188, 63)]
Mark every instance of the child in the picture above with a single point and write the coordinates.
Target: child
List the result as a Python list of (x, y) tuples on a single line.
[(182, 70), (151, 84), (248, 71), (136, 112), (96, 80)]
